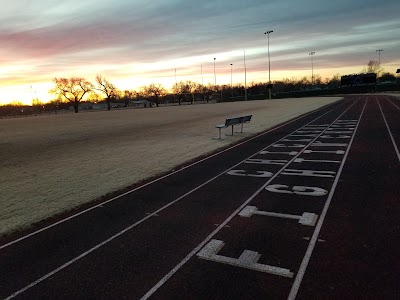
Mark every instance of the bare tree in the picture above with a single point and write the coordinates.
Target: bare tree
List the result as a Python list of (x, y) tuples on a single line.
[(37, 105), (186, 87), (333, 82), (73, 89), (373, 66), (192, 87), (387, 77), (155, 91), (178, 89), (106, 87)]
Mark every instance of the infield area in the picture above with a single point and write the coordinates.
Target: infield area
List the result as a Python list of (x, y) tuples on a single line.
[(306, 210), (55, 163)]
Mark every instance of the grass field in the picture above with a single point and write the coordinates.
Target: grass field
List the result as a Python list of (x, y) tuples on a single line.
[(51, 164)]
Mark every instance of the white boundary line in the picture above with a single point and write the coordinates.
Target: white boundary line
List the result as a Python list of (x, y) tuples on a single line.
[(300, 274), (388, 128), (236, 212), (392, 102), (32, 284), (155, 180)]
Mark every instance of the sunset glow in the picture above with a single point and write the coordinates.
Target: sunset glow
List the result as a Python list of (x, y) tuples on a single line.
[(133, 44)]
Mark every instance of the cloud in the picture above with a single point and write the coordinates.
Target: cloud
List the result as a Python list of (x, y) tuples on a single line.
[(124, 39)]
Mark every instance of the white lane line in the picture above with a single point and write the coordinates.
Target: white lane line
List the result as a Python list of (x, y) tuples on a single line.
[(158, 179), (390, 132), (147, 217), (205, 241), (300, 274), (392, 102)]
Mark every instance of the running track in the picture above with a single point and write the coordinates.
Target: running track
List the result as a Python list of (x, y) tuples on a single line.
[(306, 210)]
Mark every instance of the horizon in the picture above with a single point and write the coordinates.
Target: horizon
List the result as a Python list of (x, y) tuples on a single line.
[(135, 44)]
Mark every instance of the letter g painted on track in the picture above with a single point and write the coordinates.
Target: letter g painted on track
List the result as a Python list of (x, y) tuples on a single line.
[(297, 190), (243, 173)]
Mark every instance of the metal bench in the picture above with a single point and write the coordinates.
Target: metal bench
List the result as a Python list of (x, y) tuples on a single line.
[(232, 122)]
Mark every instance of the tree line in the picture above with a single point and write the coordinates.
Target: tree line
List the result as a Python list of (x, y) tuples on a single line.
[(75, 90)]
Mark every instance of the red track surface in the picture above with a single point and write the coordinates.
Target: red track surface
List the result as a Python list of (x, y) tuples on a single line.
[(309, 210)]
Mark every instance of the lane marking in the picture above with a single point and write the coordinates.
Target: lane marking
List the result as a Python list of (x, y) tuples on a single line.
[(342, 132), (307, 218), (321, 144), (167, 175), (392, 102), (300, 160), (307, 131), (298, 140), (156, 212), (243, 173), (300, 274), (297, 190), (266, 161), (248, 259), (310, 135), (321, 151), (390, 132), (212, 234), (271, 152), (335, 137), (289, 146), (309, 173)]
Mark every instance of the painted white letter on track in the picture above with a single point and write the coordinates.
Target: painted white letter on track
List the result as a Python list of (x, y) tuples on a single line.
[(243, 173), (284, 146), (266, 161), (312, 173), (297, 190)]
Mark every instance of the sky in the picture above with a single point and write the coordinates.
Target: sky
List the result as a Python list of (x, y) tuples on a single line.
[(134, 43)]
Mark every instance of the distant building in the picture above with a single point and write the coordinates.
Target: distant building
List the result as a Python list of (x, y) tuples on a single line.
[(358, 79)]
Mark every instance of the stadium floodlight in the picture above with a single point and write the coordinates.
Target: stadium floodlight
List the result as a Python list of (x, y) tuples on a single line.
[(245, 76), (231, 75), (312, 53), (269, 65), (215, 76), (379, 53)]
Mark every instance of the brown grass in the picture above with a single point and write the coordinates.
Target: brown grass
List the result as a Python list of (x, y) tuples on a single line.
[(54, 163)]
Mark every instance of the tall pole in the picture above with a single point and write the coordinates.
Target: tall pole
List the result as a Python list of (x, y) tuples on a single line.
[(379, 62), (269, 65), (231, 75), (201, 70), (215, 76), (379, 53), (312, 68), (245, 83), (175, 78)]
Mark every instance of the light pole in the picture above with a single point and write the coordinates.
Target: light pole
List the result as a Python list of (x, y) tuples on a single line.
[(175, 78), (215, 76), (379, 55), (201, 70), (269, 65), (245, 82), (231, 75), (379, 63), (312, 68)]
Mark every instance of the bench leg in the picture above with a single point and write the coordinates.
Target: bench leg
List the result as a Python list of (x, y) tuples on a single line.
[(232, 129), (219, 133)]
